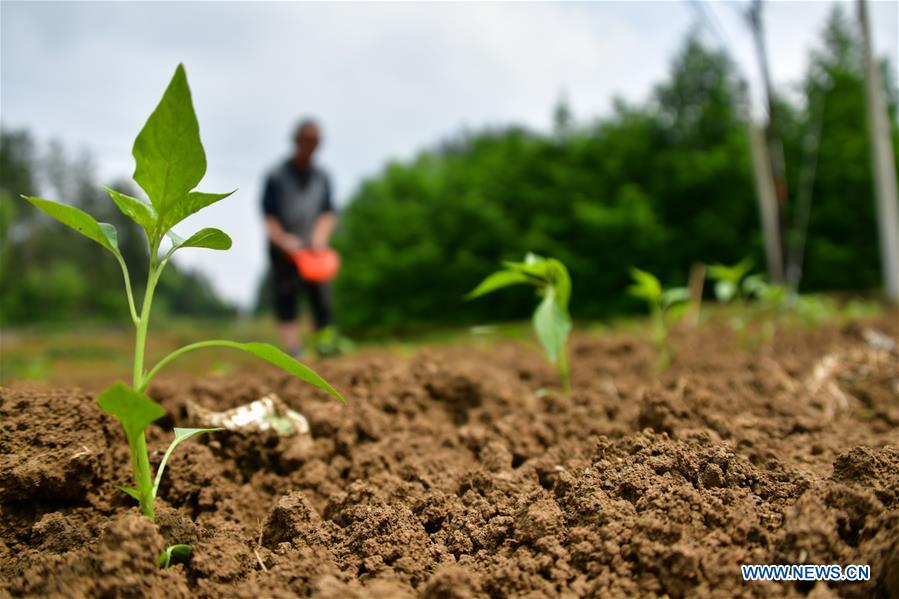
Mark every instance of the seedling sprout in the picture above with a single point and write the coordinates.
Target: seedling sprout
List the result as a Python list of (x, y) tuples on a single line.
[(551, 320), (660, 302), (170, 162)]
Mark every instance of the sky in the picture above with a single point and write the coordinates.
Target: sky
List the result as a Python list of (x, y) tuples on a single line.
[(386, 80)]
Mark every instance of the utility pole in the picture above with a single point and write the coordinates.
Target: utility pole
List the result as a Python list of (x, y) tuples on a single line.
[(775, 147), (764, 189), (884, 164)]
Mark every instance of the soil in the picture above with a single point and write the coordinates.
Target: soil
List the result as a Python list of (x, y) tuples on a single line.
[(463, 472)]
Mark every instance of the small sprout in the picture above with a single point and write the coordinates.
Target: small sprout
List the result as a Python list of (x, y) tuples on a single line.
[(728, 280), (328, 342), (173, 554), (730, 286), (551, 320), (170, 163), (771, 296), (771, 301), (660, 302), (736, 284)]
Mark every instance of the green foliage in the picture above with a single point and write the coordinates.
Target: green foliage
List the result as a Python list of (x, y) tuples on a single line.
[(842, 247), (757, 299), (103, 233), (769, 295), (135, 411), (735, 283), (660, 301), (728, 279), (329, 342), (264, 351), (551, 320), (170, 163), (138, 210), (37, 265), (673, 173), (209, 238)]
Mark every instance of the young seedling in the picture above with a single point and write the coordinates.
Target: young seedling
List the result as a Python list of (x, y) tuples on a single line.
[(728, 280), (660, 301), (170, 162), (551, 320), (173, 554), (771, 301), (770, 296), (729, 287)]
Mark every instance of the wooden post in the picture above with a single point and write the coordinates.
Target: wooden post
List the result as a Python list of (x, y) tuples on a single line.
[(884, 164), (774, 152), (768, 211), (696, 284)]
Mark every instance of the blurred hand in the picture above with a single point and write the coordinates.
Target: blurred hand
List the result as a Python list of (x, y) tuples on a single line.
[(319, 241), (291, 243)]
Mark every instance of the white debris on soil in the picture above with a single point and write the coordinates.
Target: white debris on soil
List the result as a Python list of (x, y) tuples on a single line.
[(852, 363), (878, 341), (268, 413)]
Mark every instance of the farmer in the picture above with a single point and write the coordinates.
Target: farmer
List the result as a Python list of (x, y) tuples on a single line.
[(298, 214)]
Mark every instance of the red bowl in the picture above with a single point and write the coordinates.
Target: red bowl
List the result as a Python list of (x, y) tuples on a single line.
[(317, 266)]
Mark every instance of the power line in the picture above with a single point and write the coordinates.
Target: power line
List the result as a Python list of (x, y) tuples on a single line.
[(713, 24)]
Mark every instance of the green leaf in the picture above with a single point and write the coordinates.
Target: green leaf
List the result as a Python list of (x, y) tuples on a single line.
[(170, 160), (553, 326), (742, 268), (498, 280), (533, 266), (210, 238), (675, 312), (755, 285), (181, 434), (275, 356), (725, 290), (169, 156), (647, 285), (675, 295), (135, 411), (132, 408), (267, 352), (84, 223), (193, 202), (544, 272), (735, 273), (173, 554), (719, 272), (130, 491), (558, 277), (136, 209)]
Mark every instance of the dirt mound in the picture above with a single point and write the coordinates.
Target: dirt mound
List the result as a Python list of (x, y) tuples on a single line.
[(464, 473)]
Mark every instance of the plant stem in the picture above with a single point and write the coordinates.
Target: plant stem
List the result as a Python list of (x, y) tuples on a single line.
[(127, 277), (143, 322), (658, 326), (564, 371), (143, 477), (140, 458)]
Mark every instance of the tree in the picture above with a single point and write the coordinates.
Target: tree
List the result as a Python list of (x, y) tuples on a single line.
[(842, 235), (44, 273), (660, 185)]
